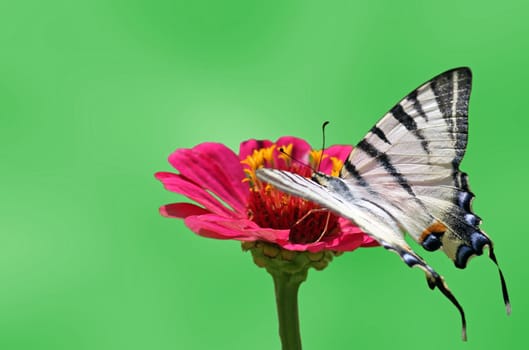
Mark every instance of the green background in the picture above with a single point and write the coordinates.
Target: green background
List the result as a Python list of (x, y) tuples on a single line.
[(94, 95)]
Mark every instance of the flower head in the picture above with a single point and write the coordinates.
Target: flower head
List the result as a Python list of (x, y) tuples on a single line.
[(234, 204)]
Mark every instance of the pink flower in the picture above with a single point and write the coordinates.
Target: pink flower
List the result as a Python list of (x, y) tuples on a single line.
[(234, 204)]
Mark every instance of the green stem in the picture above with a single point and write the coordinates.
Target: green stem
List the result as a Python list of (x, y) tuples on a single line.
[(288, 269), (286, 287)]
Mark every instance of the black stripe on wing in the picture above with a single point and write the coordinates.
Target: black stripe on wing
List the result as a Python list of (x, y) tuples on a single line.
[(381, 135), (351, 170), (452, 93), (412, 97), (384, 160), (410, 124)]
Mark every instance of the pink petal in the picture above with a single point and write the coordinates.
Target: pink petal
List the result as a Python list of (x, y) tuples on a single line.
[(229, 164), (350, 238), (343, 243), (370, 242), (246, 148), (337, 151), (216, 168), (300, 149), (268, 234), (182, 210), (179, 184), (346, 243), (348, 228), (219, 227), (212, 226)]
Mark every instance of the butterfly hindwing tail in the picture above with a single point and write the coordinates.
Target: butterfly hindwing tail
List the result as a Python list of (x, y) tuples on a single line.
[(411, 259)]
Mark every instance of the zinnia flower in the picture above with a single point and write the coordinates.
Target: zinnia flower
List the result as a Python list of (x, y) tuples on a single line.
[(234, 204), (287, 235)]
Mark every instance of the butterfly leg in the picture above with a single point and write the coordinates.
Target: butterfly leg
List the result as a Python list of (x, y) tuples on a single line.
[(298, 234), (325, 228)]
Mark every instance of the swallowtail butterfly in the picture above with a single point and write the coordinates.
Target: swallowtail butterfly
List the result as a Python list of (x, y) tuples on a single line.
[(404, 177)]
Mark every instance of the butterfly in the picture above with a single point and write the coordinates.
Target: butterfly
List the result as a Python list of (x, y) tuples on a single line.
[(404, 177)]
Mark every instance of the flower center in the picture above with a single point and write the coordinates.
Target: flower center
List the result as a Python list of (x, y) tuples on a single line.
[(271, 208)]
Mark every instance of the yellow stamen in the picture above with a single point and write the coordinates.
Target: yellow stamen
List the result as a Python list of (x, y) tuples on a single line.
[(286, 154), (315, 157), (337, 165), (268, 155)]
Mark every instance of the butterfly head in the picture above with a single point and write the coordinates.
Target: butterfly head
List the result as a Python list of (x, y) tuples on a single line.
[(320, 178)]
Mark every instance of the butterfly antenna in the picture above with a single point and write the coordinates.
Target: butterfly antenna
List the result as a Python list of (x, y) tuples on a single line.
[(322, 143), (282, 151)]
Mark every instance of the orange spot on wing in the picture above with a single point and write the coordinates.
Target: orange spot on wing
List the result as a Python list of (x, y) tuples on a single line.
[(436, 227)]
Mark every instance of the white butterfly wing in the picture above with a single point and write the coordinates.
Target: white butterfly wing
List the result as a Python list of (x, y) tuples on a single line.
[(412, 155), (364, 213), (404, 177), (409, 162)]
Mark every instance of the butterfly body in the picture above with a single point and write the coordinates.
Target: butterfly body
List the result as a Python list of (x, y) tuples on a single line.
[(403, 177)]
